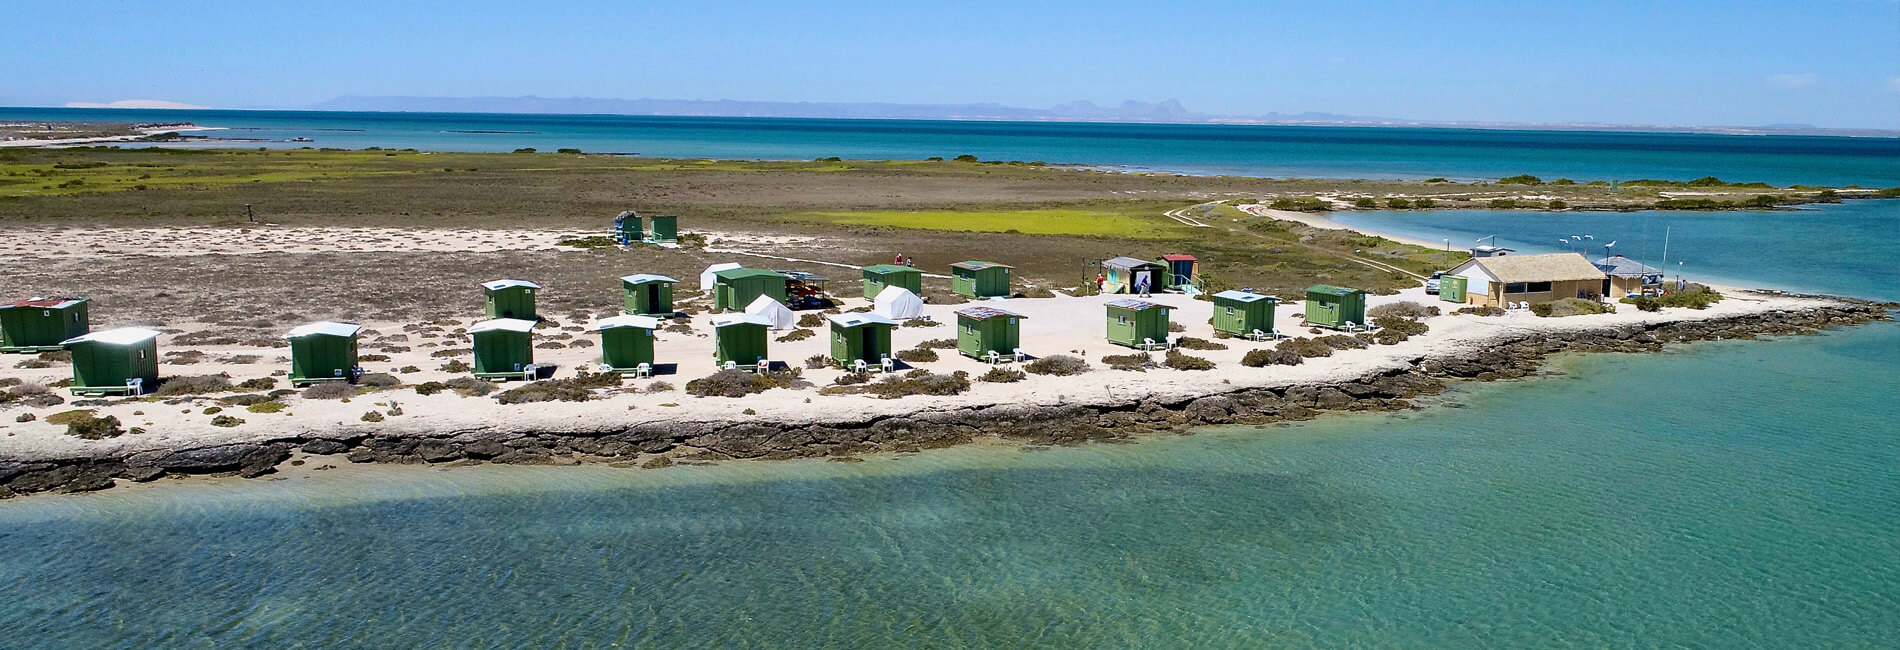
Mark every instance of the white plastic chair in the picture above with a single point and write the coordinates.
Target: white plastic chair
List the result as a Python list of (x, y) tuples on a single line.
[(1020, 355), (886, 364), (993, 358), (858, 366), (762, 367), (642, 371), (1148, 345), (1257, 335), (732, 365), (530, 372), (135, 386)]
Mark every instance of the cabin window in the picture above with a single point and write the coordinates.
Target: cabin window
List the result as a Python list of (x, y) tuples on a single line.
[(1012, 321), (1121, 320), (46, 313), (971, 329), (1539, 287), (1230, 311), (141, 354), (1514, 287)]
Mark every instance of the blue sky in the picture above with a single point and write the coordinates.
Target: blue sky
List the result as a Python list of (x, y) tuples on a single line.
[(1832, 63)]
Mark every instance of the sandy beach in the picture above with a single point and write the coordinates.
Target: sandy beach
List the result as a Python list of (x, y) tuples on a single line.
[(1060, 325)]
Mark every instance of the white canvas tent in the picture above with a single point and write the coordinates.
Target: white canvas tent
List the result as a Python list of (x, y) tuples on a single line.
[(898, 303), (781, 316), (707, 277)]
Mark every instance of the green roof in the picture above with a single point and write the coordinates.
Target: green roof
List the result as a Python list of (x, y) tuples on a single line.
[(1330, 290), (887, 269), (977, 265), (734, 274)]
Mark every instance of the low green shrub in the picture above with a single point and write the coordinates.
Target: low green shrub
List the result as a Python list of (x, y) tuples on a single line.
[(331, 390), (1138, 361), (796, 335), (917, 355), (470, 386), (258, 383), (1059, 365), (1179, 360), (267, 407), (939, 344), (199, 385), (1569, 307), (1305, 347), (226, 421), (1192, 343), (87, 427), (430, 387), (737, 383), (1000, 375)]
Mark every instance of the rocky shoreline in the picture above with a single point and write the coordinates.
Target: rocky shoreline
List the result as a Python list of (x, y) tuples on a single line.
[(660, 445)]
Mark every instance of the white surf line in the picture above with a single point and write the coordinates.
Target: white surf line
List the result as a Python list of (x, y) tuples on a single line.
[(734, 251)]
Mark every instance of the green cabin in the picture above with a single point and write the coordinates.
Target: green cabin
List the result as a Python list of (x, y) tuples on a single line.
[(323, 352), (648, 295), (627, 228), (1183, 271), (861, 336), (1137, 323), (1333, 307), (510, 299), (1241, 313), (626, 342), (663, 228), (1451, 288), (892, 275), (504, 348), (734, 289), (976, 279), (1130, 275), (42, 324), (741, 339), (982, 330), (123, 360)]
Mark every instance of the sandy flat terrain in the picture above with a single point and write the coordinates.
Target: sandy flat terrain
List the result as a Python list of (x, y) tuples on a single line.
[(1061, 325), (264, 238)]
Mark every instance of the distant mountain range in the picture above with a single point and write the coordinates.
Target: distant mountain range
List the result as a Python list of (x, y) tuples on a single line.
[(1163, 112)]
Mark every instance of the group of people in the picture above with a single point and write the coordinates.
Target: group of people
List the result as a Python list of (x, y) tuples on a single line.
[(904, 261)]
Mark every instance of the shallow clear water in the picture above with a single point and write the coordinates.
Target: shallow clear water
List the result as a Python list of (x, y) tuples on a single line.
[(1631, 501), (1278, 151)]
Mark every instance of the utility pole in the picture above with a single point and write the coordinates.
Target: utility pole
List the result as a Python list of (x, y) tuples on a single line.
[(247, 214)]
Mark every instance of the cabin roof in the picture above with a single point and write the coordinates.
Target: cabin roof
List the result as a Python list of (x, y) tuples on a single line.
[(1127, 262), (1622, 266), (1131, 303), (1245, 296), (497, 285), (43, 303), (986, 313), (724, 320), (1330, 290), (629, 320), (1179, 258), (742, 272), (1552, 267), (120, 336), (860, 318), (884, 269), (978, 265), (645, 278), (324, 328), (502, 324)]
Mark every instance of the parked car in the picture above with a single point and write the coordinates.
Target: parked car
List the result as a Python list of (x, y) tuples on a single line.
[(1431, 284)]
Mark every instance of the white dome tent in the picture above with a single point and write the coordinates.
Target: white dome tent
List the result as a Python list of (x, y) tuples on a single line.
[(899, 304), (781, 316), (707, 278)]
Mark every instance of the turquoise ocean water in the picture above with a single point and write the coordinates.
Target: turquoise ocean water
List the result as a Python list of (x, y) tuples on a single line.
[(1733, 494), (1200, 149)]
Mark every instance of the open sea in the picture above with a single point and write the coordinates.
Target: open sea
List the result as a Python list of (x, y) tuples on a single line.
[(1735, 494), (1275, 151)]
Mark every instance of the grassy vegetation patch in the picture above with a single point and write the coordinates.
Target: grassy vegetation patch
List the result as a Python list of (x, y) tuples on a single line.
[(1135, 221)]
